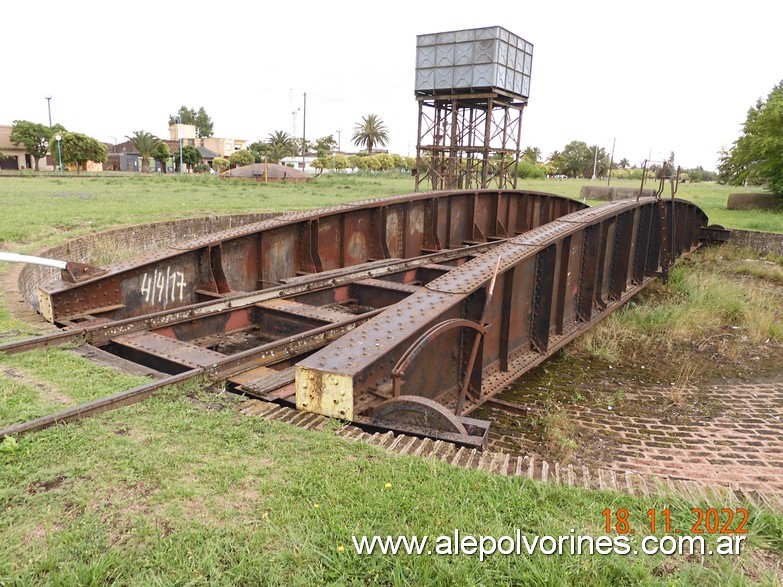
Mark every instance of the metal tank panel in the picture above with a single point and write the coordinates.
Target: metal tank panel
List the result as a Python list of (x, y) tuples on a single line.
[(473, 59)]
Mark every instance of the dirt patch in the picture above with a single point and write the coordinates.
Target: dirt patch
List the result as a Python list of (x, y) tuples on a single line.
[(48, 393), (759, 565), (43, 486)]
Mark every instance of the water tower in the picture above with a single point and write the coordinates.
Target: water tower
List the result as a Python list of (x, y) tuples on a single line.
[(472, 86)]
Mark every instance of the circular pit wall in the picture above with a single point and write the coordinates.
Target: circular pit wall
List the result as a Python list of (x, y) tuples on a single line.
[(110, 246)]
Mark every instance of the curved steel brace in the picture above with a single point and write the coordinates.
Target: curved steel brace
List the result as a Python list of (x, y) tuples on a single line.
[(419, 413), (398, 373)]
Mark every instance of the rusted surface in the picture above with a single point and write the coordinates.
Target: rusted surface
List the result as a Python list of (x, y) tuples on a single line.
[(271, 252), (553, 283), (75, 272), (438, 299), (468, 140)]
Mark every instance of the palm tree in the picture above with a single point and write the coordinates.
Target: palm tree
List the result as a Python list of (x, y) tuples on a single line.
[(281, 144), (532, 154), (276, 152), (145, 144), (369, 132)]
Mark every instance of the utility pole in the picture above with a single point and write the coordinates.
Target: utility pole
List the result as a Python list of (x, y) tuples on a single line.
[(49, 108), (304, 127), (611, 162), (179, 136)]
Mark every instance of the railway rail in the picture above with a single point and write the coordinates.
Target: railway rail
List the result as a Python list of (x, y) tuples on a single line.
[(400, 314)]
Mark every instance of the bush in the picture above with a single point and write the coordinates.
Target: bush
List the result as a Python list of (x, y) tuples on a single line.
[(527, 170)]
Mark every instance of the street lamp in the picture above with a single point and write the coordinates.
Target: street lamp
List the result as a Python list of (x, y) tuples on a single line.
[(58, 138), (49, 108)]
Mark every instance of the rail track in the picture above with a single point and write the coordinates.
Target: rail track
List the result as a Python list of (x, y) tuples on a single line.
[(401, 314)]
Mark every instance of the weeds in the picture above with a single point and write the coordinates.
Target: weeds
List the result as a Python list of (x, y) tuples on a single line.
[(558, 432), (771, 272), (677, 394), (703, 307)]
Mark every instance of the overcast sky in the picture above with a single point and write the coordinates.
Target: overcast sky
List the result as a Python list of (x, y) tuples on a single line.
[(657, 76)]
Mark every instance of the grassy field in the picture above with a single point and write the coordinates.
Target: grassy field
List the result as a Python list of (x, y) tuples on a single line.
[(183, 490), (711, 197), (38, 211)]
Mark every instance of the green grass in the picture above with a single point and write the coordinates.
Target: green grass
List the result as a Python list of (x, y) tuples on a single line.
[(44, 210), (173, 491), (708, 304), (709, 196), (167, 492), (52, 380)]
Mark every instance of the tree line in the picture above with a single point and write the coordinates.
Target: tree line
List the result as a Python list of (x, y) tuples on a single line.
[(76, 148), (73, 148), (578, 159), (369, 133)]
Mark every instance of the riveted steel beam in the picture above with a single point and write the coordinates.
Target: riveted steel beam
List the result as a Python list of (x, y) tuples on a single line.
[(556, 281), (273, 252)]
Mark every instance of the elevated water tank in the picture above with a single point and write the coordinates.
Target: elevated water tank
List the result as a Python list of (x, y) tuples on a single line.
[(467, 61)]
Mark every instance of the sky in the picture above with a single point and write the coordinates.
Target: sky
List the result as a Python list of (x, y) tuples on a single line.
[(651, 77)]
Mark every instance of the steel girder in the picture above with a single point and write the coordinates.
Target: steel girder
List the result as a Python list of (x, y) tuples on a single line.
[(480, 326), (273, 252)]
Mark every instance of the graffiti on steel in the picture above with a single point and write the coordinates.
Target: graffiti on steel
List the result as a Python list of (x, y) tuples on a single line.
[(163, 287)]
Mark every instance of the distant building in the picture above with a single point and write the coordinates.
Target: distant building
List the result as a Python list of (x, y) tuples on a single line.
[(15, 157), (296, 163), (221, 147), (124, 157)]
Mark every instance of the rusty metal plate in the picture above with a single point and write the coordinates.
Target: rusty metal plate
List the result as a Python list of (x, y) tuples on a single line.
[(174, 350), (322, 313)]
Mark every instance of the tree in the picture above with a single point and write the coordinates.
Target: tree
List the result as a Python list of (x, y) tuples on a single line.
[(220, 164), (624, 163), (259, 149), (202, 122), (531, 154), (357, 162), (757, 156), (145, 144), (319, 165), (79, 149), (340, 161), (281, 144), (259, 146), (33, 137), (240, 158), (325, 146), (577, 157), (190, 156), (276, 152), (528, 170), (162, 154), (600, 162), (370, 132), (372, 163)]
